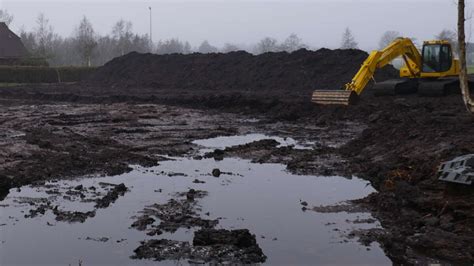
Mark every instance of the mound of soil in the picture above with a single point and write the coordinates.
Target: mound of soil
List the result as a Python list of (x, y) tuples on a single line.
[(275, 84), (301, 71)]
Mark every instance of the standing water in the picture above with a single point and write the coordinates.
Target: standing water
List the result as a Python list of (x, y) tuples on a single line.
[(263, 198)]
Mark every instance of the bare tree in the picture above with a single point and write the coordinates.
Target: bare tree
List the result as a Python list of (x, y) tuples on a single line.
[(141, 44), (388, 37), (450, 36), (44, 36), (105, 50), (446, 34), (85, 40), (348, 40), (187, 48), (65, 52), (228, 47), (206, 48), (292, 43), (173, 46), (267, 45), (29, 41), (468, 101), (122, 33), (5, 17)]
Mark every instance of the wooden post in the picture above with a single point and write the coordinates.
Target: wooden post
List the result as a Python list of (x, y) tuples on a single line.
[(463, 79)]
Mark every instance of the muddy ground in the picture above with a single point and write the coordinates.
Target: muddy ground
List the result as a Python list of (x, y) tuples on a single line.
[(100, 127)]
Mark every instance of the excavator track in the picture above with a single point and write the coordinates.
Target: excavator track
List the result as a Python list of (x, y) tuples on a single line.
[(334, 97), (424, 87), (439, 87), (395, 86)]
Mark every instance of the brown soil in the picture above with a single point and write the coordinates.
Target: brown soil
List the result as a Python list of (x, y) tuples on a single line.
[(116, 118)]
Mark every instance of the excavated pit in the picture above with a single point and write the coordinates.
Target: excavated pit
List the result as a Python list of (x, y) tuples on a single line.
[(138, 108)]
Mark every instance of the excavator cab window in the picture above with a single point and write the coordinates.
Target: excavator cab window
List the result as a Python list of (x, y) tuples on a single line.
[(436, 58)]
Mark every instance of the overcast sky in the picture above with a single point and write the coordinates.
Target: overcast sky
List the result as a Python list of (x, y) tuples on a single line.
[(319, 23)]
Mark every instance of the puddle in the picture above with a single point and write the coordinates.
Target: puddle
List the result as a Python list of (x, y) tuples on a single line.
[(263, 198), (229, 141)]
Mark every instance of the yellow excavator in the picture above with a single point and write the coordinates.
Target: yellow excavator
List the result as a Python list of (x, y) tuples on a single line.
[(432, 73)]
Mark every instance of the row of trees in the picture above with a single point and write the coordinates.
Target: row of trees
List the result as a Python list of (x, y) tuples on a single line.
[(86, 47), (267, 44), (349, 42)]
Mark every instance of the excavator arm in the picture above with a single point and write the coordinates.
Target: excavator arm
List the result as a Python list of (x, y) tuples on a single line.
[(377, 59)]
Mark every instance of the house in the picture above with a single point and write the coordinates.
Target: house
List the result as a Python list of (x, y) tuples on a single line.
[(11, 47)]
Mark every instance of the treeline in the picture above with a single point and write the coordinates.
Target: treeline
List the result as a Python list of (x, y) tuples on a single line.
[(349, 42), (87, 48)]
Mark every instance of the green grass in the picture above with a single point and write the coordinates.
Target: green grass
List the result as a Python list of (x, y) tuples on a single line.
[(470, 69), (5, 84)]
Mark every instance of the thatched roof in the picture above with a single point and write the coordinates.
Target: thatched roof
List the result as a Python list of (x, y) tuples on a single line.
[(10, 44)]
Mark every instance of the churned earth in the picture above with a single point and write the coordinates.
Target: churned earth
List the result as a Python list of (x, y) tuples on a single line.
[(142, 109)]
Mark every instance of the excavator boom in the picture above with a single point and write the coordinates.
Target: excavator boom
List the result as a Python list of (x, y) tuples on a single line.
[(377, 59)]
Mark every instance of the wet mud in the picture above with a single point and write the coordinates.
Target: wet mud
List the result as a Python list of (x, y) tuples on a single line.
[(209, 245), (177, 213), (106, 124), (57, 196)]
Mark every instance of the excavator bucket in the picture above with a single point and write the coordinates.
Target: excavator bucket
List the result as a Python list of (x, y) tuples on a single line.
[(334, 97)]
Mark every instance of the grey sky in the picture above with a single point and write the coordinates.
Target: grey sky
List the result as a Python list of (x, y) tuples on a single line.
[(319, 23)]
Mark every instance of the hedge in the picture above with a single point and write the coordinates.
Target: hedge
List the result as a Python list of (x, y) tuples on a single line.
[(32, 74), (26, 61)]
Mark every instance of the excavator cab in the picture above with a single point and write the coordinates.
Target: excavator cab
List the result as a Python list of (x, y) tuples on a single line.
[(436, 58), (439, 70)]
